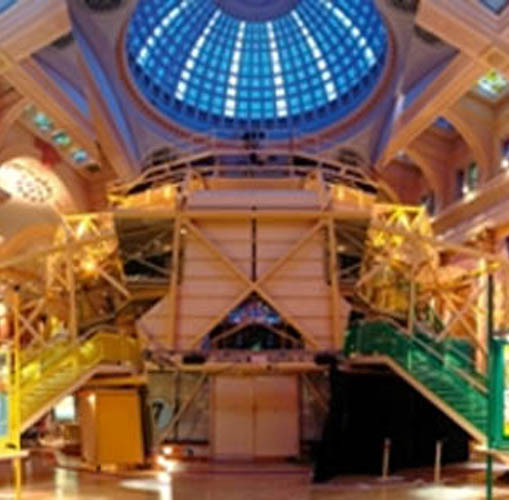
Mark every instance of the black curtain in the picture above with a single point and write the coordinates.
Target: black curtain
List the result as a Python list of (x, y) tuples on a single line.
[(365, 409)]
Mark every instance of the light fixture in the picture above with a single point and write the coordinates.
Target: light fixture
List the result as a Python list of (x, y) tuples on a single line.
[(82, 228), (167, 464), (505, 163), (470, 195), (168, 450), (79, 156), (42, 122), (89, 265)]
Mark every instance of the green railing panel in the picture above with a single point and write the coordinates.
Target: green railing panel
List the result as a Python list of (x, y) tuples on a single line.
[(4, 415), (436, 365)]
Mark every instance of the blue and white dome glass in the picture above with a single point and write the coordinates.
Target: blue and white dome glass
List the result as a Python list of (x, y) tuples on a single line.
[(289, 65)]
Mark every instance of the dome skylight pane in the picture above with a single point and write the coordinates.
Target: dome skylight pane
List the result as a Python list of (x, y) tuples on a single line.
[(6, 4), (208, 65), (496, 6), (493, 84)]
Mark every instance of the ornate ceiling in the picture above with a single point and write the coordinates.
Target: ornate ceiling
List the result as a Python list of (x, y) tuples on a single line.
[(442, 58)]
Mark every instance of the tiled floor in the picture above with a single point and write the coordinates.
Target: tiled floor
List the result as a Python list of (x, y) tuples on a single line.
[(242, 483)]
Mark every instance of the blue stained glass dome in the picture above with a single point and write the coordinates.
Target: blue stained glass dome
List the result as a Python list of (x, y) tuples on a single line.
[(282, 64)]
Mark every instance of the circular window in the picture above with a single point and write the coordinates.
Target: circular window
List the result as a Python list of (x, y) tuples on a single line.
[(21, 182)]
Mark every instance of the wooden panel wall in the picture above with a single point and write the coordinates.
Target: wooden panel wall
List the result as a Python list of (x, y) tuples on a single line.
[(299, 289), (299, 286), (209, 288), (255, 417)]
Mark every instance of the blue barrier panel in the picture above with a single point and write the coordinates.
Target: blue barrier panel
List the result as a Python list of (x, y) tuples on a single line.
[(4, 414)]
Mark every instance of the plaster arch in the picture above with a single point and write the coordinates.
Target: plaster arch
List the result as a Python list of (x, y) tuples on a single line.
[(430, 174), (475, 139)]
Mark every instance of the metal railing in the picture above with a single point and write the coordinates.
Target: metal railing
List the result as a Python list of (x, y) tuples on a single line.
[(5, 390), (265, 138), (239, 162), (75, 360), (391, 340)]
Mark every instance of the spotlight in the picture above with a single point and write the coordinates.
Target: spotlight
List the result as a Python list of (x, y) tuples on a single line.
[(168, 450)]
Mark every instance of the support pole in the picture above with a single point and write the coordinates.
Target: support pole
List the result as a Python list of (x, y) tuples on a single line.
[(16, 465), (14, 404), (386, 459), (174, 278), (412, 300), (71, 285), (438, 462), (335, 297), (491, 393)]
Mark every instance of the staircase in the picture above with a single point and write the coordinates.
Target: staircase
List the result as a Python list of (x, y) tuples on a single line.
[(60, 370), (438, 372)]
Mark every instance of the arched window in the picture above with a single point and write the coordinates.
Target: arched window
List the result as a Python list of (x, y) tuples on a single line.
[(504, 150), (473, 176)]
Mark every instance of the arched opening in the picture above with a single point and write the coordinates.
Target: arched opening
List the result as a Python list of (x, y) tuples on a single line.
[(411, 179), (253, 326)]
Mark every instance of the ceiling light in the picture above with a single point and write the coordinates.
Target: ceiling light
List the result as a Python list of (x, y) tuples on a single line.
[(89, 265)]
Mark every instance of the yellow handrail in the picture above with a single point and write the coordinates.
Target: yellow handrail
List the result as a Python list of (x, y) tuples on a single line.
[(77, 360)]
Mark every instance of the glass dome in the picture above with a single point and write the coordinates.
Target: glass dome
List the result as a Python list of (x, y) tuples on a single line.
[(287, 65)]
